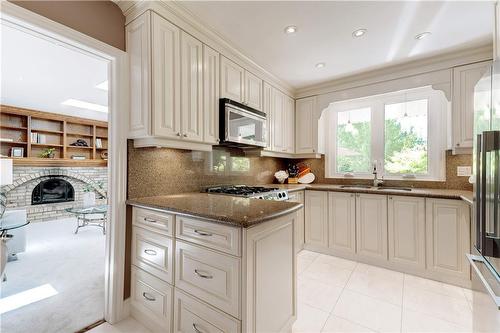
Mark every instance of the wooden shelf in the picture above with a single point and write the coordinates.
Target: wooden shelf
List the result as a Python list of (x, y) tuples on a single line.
[(20, 124), (13, 127)]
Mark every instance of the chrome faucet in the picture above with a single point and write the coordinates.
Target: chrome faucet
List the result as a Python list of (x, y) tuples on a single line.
[(376, 182)]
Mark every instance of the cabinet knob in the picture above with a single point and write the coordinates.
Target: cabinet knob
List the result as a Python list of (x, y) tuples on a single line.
[(185, 135), (178, 134), (458, 144)]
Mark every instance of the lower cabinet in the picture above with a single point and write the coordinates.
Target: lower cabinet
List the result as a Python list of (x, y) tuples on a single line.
[(406, 217), (423, 236), (299, 223), (448, 238), (316, 218), (371, 226), (342, 222)]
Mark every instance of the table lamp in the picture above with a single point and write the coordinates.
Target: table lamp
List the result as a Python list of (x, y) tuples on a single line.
[(6, 178)]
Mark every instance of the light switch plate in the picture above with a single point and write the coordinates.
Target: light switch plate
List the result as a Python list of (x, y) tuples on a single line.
[(464, 171)]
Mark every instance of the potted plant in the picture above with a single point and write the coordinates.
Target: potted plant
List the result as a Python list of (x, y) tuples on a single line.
[(48, 153)]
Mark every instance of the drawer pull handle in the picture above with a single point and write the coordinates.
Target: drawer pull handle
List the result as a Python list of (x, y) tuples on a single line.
[(150, 252), (195, 328), (148, 297), (203, 233), (204, 276), (147, 219)]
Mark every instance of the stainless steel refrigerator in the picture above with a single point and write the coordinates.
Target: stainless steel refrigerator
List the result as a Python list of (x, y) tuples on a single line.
[(485, 256)]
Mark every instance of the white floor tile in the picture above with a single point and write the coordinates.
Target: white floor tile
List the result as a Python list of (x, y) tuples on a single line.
[(336, 324), (448, 308), (368, 312), (327, 273), (376, 282), (419, 283), (304, 260), (414, 321), (336, 262), (317, 294), (310, 319)]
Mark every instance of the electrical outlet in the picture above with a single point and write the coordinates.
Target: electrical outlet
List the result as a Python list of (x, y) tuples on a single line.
[(464, 171)]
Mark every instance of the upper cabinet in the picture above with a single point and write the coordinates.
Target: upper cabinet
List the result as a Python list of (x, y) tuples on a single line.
[(464, 79), (211, 94), (306, 126), (280, 110), (240, 85)]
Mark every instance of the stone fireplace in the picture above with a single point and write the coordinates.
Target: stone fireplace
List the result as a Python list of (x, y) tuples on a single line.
[(46, 192)]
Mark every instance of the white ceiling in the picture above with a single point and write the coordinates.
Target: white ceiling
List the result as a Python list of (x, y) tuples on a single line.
[(325, 28), (38, 74)]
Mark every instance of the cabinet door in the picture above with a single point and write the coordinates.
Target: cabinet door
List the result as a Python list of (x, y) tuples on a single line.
[(464, 80), (211, 95), (253, 91), (166, 78), (342, 222), (316, 218), (231, 80), (138, 41), (278, 119), (192, 88), (268, 109), (406, 221), (299, 222), (371, 226), (289, 125), (448, 237), (304, 126)]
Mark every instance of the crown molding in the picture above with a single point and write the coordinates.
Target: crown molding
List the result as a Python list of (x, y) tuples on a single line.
[(176, 13), (429, 64)]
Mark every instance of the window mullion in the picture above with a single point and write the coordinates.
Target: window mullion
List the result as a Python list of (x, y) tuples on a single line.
[(378, 135)]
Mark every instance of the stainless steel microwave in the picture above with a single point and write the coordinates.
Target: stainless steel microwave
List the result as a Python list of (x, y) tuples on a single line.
[(241, 126)]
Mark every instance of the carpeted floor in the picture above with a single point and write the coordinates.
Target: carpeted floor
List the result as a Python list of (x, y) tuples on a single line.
[(71, 264)]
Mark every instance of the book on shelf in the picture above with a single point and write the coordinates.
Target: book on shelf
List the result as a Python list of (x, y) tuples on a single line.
[(38, 138), (78, 157), (98, 143)]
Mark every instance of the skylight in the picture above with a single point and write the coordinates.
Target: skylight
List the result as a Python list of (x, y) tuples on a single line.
[(85, 105)]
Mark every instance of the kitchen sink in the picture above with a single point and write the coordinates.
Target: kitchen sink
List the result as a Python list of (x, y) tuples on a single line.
[(355, 186), (387, 188)]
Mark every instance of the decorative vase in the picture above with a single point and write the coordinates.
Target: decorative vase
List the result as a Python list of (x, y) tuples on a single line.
[(89, 199)]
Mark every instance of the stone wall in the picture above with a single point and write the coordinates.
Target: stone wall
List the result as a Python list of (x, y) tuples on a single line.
[(26, 178)]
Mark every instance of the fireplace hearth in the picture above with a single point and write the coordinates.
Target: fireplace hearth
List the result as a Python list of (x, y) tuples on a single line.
[(53, 190)]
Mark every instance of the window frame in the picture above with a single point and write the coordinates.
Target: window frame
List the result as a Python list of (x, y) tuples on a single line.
[(437, 111)]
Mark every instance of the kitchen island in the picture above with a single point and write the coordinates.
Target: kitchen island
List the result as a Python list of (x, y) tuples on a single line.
[(211, 263)]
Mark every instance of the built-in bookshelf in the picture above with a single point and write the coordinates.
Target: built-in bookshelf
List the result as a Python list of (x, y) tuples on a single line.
[(75, 141)]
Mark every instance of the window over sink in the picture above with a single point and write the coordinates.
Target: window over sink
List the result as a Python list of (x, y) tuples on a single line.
[(402, 133)]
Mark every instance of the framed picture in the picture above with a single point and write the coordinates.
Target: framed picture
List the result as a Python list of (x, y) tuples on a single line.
[(17, 152)]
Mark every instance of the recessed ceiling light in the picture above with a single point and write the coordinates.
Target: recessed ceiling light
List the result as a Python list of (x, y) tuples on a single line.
[(85, 105), (320, 65), (358, 33), (103, 85), (291, 29), (422, 35)]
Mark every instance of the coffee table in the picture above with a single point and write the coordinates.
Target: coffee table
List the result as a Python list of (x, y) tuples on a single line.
[(90, 216)]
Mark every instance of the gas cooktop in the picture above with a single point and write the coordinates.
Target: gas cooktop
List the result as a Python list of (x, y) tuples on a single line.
[(258, 192)]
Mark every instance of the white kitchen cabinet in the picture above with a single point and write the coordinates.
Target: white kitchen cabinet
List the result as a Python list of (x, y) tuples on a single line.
[(278, 120), (166, 80), (371, 226), (342, 222), (306, 126), (299, 223), (281, 114), (289, 125), (240, 85), (464, 79), (253, 91), (267, 109), (316, 218), (192, 88), (406, 222), (448, 237), (211, 95), (138, 46), (232, 80)]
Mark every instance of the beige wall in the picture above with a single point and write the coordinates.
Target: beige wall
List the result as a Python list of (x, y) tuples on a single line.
[(102, 20)]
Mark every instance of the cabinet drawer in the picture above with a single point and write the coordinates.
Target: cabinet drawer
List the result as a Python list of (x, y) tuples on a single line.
[(213, 277), (216, 236), (191, 315), (153, 253), (151, 301), (155, 221)]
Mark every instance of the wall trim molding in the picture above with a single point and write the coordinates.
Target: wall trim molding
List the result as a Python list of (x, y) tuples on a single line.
[(176, 13), (397, 71)]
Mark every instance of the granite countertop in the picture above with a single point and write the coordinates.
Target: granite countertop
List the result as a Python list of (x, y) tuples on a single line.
[(236, 211), (415, 192)]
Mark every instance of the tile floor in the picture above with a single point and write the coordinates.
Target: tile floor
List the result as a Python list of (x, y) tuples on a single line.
[(338, 295)]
